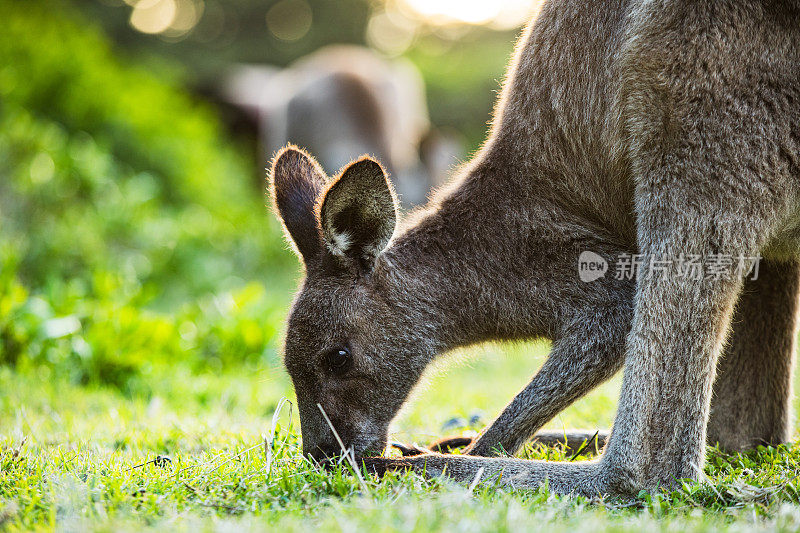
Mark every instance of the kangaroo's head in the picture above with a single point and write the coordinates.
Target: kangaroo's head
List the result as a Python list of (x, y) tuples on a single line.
[(350, 348)]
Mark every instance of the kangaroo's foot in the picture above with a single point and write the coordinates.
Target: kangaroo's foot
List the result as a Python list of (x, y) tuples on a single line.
[(585, 478)]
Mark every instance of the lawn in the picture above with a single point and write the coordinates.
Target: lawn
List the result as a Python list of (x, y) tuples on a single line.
[(208, 451)]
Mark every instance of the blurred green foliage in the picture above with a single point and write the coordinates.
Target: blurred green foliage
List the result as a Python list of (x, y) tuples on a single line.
[(128, 229), (131, 236)]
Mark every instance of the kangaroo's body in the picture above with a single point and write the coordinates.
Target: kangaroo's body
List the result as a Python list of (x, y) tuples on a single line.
[(654, 127)]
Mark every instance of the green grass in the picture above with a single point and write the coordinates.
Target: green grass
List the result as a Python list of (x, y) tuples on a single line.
[(87, 458)]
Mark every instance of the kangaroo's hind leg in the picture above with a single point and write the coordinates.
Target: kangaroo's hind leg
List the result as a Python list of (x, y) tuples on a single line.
[(752, 393)]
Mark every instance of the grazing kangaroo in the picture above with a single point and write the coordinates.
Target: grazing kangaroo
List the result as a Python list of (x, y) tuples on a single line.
[(665, 128)]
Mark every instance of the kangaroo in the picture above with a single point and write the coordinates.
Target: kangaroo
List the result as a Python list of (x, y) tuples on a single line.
[(662, 128), (341, 101)]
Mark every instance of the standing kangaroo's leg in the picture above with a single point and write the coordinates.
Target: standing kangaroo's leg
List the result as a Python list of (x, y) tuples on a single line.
[(711, 181), (753, 390), (678, 330)]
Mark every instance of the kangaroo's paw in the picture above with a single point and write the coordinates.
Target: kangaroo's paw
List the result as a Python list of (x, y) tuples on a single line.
[(408, 450), (448, 444), (445, 445)]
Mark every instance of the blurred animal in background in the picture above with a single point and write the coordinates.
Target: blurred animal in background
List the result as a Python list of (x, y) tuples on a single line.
[(341, 102)]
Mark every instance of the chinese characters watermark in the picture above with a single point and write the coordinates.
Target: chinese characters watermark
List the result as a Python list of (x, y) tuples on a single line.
[(592, 266)]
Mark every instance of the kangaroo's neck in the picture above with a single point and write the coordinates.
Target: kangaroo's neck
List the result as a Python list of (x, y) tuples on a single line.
[(465, 270)]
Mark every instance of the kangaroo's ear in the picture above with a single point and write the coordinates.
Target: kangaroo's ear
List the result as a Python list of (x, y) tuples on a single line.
[(297, 181), (359, 212)]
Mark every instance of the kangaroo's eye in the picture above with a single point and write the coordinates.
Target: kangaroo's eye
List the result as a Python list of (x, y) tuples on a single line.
[(338, 359)]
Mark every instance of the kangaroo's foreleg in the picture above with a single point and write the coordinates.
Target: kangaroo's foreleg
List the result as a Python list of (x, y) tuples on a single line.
[(752, 393), (589, 350)]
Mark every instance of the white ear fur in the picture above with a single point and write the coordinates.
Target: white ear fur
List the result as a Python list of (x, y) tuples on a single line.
[(339, 244)]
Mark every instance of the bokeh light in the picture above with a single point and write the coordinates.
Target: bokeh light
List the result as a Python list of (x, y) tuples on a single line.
[(150, 16), (289, 20), (187, 15), (171, 18), (497, 13), (390, 32), (395, 25)]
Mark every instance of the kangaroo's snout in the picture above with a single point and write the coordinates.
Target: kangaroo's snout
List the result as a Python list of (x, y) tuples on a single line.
[(328, 452)]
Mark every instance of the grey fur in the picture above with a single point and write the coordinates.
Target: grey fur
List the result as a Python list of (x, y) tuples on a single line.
[(653, 126)]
